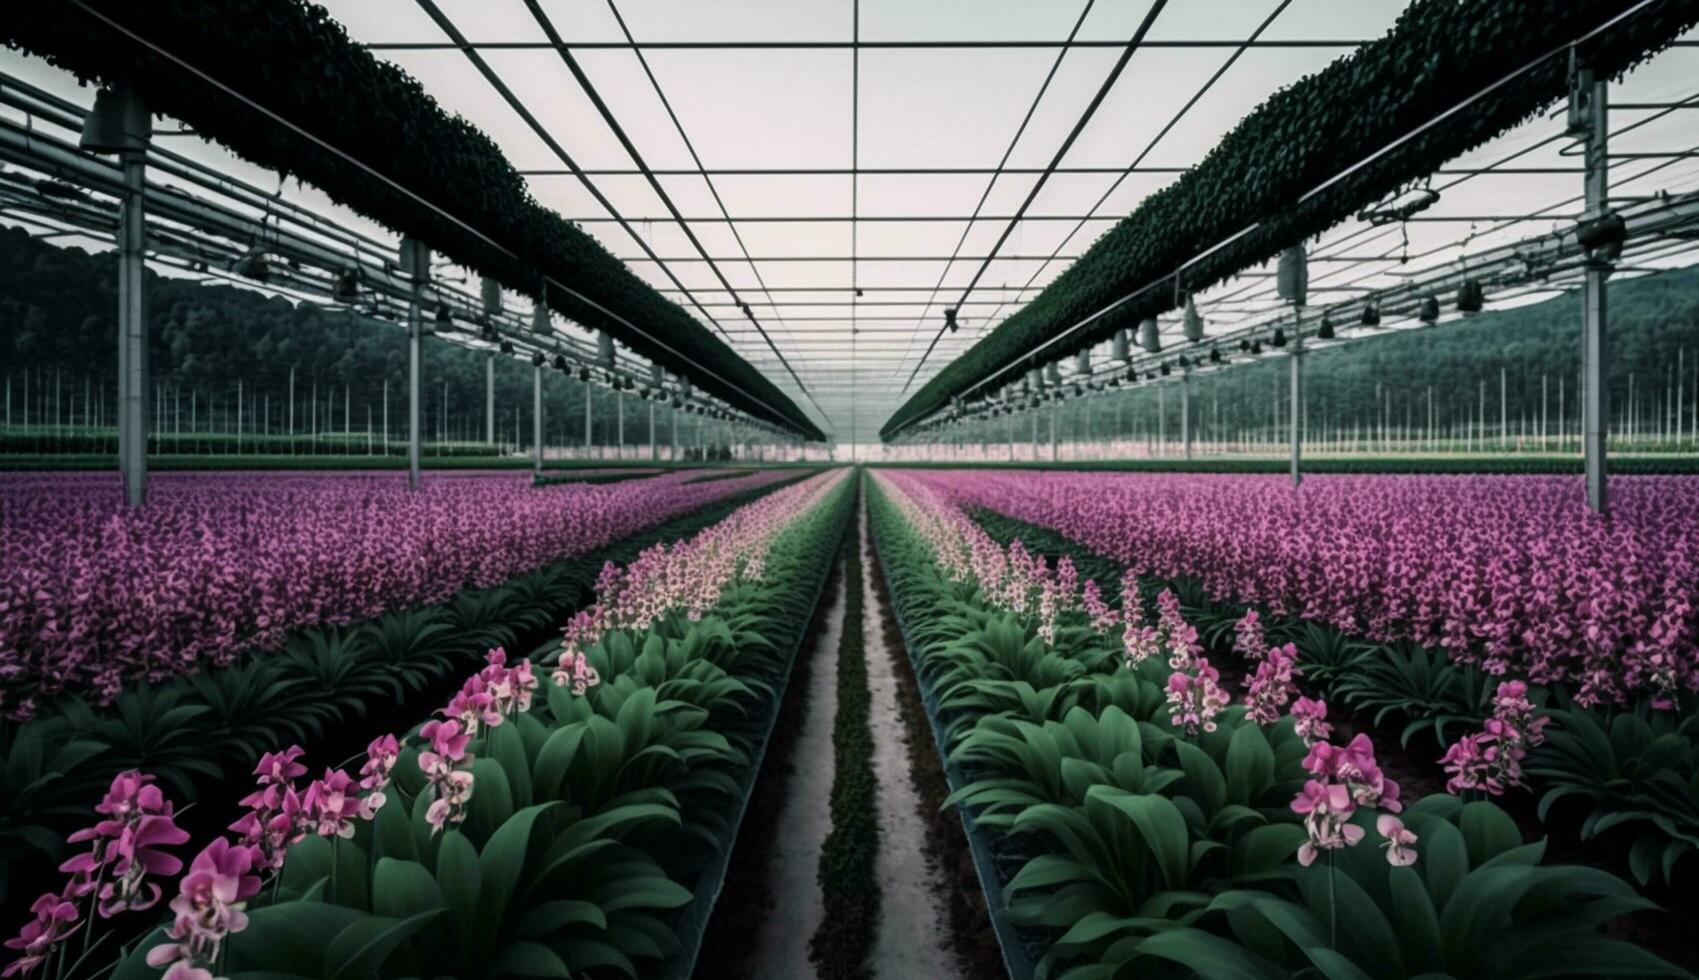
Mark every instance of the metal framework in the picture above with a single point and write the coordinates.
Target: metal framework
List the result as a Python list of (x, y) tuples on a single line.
[(204, 224), (828, 260)]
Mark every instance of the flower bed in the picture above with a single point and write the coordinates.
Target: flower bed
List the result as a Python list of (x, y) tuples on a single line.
[(1512, 573), (536, 827), (95, 596), (1141, 825)]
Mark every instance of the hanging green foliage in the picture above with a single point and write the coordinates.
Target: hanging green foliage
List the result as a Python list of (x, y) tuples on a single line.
[(292, 58), (1439, 54)]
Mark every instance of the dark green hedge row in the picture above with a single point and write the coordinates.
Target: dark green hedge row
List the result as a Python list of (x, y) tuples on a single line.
[(1549, 465), (1630, 774), (849, 886), (328, 684), (291, 57), (1439, 53)]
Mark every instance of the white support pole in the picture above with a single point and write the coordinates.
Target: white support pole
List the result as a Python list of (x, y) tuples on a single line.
[(1161, 420), (619, 404), (1186, 411), (417, 263), (537, 419), (490, 398), (132, 330), (654, 444), (1055, 407), (1595, 400), (589, 417)]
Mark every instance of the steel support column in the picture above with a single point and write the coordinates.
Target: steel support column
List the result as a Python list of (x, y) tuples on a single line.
[(1594, 350), (1054, 410), (537, 419), (1161, 420), (654, 444), (416, 260), (1186, 412), (132, 331), (490, 397), (1295, 424)]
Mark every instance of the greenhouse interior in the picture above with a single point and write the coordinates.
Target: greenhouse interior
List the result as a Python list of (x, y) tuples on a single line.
[(849, 489)]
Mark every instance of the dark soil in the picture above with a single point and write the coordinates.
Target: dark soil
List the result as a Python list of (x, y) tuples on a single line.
[(747, 897), (972, 937)]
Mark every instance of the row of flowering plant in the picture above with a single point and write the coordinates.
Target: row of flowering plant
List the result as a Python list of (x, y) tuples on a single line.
[(96, 597), (1514, 574), (520, 793), (1158, 832)]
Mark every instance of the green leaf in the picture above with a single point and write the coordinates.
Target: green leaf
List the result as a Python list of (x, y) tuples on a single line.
[(547, 918), (1488, 831), (529, 959), (362, 947), (501, 865), (1161, 825), (1250, 763)]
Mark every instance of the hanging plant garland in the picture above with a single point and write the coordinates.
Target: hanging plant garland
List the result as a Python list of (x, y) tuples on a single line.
[(1439, 54)]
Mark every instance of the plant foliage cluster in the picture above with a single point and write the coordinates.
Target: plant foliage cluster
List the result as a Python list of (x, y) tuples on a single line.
[(195, 732), (301, 66), (1128, 848), (601, 815), (1634, 772), (1371, 103)]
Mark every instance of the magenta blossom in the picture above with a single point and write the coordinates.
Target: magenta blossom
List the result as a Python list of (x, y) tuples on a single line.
[(1273, 684), (331, 804), (55, 919), (127, 847), (1326, 809), (1309, 718), (208, 909), (1399, 842)]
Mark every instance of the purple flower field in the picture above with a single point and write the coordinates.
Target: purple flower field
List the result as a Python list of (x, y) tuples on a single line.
[(1510, 572), (94, 597)]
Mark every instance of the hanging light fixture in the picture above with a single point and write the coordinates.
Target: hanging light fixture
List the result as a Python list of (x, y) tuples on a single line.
[(1470, 296), (491, 295), (506, 346), (1150, 335), (560, 362), (537, 359), (1082, 361), (1121, 346), (540, 321), (1293, 275), (950, 319), (604, 350), (1325, 331), (1256, 347), (1370, 316), (1164, 369), (347, 288), (1214, 356), (118, 122), (1429, 310), (254, 264), (445, 319), (1193, 323), (1244, 345), (1279, 338)]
